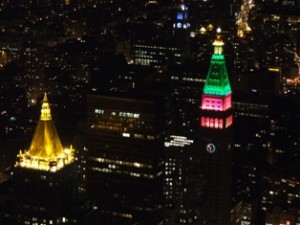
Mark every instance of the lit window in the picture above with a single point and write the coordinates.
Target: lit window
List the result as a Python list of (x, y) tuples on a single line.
[(228, 121), (203, 121), (211, 122), (99, 111), (207, 121), (216, 123), (220, 123)]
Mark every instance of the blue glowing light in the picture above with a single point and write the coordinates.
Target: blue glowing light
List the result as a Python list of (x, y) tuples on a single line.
[(180, 16)]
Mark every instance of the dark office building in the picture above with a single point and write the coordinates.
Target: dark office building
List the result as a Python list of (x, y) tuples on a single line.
[(125, 162), (216, 119), (186, 83)]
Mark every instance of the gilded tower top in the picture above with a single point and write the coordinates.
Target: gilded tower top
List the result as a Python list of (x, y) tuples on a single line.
[(45, 111), (45, 151), (218, 45)]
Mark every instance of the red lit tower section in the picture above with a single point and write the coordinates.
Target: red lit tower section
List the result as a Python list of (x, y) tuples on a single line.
[(216, 117), (216, 107)]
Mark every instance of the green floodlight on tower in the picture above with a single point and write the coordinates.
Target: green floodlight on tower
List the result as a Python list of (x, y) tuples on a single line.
[(217, 82)]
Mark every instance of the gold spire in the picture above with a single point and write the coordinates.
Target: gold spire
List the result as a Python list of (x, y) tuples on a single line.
[(218, 45), (45, 151), (45, 142)]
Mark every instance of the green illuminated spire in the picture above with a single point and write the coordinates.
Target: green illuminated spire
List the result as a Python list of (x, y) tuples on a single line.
[(217, 82)]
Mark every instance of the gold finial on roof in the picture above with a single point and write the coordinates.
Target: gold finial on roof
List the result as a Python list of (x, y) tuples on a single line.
[(45, 142)]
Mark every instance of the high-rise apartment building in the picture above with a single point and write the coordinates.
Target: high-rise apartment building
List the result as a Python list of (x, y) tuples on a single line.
[(158, 54), (125, 155), (243, 213), (184, 183), (33, 79), (161, 50), (279, 196)]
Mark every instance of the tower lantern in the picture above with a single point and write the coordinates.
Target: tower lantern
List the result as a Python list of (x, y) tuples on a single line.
[(218, 46), (45, 111)]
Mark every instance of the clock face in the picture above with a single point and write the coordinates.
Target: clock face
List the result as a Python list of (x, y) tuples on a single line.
[(179, 25), (210, 148)]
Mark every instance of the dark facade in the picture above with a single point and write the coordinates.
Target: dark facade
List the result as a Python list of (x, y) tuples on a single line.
[(125, 156), (43, 197)]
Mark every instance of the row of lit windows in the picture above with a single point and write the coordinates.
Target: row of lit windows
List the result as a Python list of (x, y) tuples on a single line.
[(212, 105), (155, 47), (123, 163), (143, 55), (241, 105), (124, 215), (129, 114), (123, 127), (34, 221), (167, 172), (133, 174), (122, 119), (216, 104), (187, 79), (122, 114), (140, 136), (192, 79), (38, 164), (145, 62), (252, 115), (212, 122), (178, 141), (112, 127)]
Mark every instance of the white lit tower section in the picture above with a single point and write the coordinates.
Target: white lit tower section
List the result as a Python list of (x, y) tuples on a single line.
[(216, 119)]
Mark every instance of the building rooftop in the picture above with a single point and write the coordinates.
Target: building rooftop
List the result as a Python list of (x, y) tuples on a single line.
[(45, 151)]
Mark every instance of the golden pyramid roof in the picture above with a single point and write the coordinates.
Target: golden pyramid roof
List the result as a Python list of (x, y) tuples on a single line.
[(45, 143)]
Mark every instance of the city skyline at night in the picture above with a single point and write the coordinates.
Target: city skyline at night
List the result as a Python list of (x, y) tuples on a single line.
[(175, 112)]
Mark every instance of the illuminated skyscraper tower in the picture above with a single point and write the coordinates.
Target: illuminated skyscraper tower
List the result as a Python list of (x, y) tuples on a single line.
[(215, 137), (45, 184), (181, 23)]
